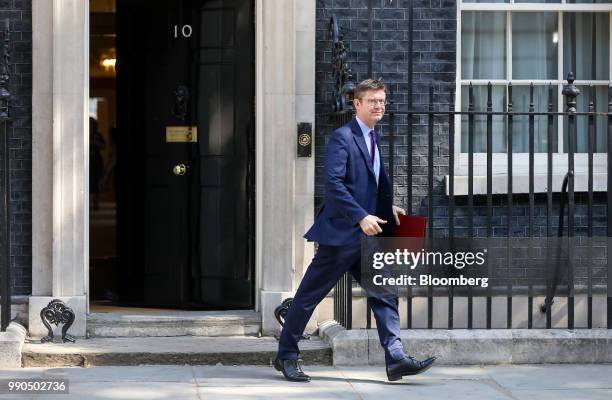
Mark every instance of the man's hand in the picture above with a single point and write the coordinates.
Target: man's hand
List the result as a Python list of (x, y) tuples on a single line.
[(398, 210), (369, 225)]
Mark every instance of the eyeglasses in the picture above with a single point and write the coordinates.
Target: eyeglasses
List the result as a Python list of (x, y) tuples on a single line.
[(373, 102)]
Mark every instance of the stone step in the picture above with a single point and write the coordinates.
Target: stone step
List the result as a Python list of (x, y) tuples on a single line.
[(191, 350), (174, 323)]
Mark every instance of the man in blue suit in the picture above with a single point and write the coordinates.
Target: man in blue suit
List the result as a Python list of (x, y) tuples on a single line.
[(358, 202)]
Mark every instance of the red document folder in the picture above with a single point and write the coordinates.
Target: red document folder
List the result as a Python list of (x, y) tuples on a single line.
[(411, 226)]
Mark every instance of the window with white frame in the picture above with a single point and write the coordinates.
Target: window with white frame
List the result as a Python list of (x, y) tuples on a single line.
[(522, 42)]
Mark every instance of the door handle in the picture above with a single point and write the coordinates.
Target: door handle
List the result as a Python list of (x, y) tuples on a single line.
[(179, 169)]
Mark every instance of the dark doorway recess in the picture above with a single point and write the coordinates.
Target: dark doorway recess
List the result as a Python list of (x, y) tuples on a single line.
[(185, 153)]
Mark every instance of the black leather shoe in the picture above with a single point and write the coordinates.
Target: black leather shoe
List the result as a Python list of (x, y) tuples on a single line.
[(408, 366), (291, 370)]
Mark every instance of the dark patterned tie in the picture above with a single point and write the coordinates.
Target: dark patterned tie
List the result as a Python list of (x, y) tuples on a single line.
[(372, 146)]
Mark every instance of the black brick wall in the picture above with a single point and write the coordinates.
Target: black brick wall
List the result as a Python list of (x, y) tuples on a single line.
[(19, 13), (434, 52)]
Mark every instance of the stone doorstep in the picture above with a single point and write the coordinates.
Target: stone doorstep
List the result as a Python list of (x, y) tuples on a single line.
[(192, 350), (11, 343), (474, 347), (174, 323)]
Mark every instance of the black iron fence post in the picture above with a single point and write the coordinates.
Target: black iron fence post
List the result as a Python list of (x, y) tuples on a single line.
[(531, 199), (451, 195), (470, 199), (408, 203), (509, 206), (549, 196), (489, 193), (571, 92), (591, 149), (5, 294), (609, 212)]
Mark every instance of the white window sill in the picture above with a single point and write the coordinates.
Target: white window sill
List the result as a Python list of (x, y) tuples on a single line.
[(520, 184)]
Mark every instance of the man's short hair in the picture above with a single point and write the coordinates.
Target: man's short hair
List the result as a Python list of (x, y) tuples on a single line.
[(366, 85)]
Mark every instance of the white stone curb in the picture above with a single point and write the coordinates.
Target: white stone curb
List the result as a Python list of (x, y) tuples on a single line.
[(11, 343), (475, 346)]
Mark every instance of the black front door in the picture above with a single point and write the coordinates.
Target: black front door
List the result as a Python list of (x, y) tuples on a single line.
[(185, 145)]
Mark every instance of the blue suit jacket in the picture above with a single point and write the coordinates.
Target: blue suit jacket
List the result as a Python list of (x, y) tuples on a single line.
[(351, 192)]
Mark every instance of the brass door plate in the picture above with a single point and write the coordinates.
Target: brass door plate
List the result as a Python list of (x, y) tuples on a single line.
[(181, 134)]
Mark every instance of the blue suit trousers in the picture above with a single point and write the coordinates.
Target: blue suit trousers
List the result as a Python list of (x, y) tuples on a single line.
[(326, 268)]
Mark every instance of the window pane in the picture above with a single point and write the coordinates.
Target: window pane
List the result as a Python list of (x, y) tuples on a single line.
[(480, 121), (520, 129), (485, 1), (586, 38), (534, 45), (483, 45), (537, 1), (599, 95)]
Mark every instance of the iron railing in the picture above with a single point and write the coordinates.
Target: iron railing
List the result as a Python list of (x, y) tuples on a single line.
[(343, 293)]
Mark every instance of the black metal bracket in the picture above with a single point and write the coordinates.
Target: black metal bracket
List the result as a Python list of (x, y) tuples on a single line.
[(550, 296), (280, 313), (57, 312)]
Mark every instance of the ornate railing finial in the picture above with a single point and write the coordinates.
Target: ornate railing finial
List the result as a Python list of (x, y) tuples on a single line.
[(4, 74), (571, 92), (344, 84)]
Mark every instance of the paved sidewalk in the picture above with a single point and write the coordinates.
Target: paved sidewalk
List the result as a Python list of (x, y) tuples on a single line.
[(540, 382)]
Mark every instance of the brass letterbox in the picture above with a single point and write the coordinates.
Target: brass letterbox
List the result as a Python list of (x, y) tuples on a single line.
[(181, 134)]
